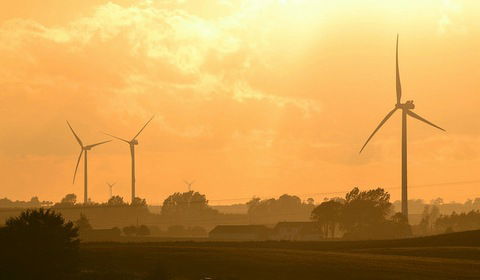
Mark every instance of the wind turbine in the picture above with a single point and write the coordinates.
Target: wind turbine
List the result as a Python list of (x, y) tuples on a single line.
[(406, 108), (132, 144), (189, 184), (111, 187), (85, 169)]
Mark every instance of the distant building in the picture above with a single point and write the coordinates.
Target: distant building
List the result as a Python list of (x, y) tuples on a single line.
[(239, 233), (298, 231)]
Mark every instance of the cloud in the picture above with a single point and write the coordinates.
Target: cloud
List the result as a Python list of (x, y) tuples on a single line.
[(452, 18), (265, 94), (132, 59)]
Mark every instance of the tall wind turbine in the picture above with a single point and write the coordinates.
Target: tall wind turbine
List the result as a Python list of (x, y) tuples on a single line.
[(406, 108), (84, 149), (132, 144)]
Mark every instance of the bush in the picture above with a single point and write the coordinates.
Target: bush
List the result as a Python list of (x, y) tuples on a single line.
[(38, 244), (130, 230), (83, 223), (143, 230)]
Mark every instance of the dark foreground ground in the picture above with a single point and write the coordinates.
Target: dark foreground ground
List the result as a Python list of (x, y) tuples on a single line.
[(454, 256)]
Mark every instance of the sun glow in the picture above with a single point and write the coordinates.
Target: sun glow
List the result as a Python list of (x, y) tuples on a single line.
[(258, 90)]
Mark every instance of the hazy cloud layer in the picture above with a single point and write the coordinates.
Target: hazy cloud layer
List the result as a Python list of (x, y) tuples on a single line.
[(263, 96)]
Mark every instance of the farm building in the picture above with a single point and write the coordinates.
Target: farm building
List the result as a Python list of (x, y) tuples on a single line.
[(240, 232)]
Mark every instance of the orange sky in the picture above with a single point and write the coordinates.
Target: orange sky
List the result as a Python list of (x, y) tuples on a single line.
[(251, 97)]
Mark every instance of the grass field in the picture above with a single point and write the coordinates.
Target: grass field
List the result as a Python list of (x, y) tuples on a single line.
[(399, 259)]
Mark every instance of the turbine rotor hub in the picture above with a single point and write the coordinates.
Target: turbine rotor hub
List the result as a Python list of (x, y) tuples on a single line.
[(407, 105)]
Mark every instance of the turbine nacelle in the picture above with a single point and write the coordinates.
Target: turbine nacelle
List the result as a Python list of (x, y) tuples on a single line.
[(134, 140), (406, 106)]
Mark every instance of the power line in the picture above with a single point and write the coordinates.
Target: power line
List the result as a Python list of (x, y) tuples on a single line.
[(342, 192)]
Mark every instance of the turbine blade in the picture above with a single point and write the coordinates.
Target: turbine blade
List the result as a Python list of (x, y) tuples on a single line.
[(399, 84), (414, 115), (378, 127), (143, 127), (93, 145), (76, 136), (117, 137), (76, 167)]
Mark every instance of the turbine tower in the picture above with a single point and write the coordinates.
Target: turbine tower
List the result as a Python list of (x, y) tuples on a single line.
[(132, 144), (85, 161), (406, 108), (111, 187)]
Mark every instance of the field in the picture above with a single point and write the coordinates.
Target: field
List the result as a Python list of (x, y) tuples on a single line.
[(450, 256)]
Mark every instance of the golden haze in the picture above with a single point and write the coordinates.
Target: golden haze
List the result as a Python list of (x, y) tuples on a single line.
[(250, 97)]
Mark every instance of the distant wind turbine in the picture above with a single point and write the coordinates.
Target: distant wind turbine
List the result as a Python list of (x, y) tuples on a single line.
[(85, 169), (406, 108), (189, 184), (132, 144), (111, 187)]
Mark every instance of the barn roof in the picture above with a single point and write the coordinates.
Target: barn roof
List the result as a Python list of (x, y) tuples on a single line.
[(236, 229)]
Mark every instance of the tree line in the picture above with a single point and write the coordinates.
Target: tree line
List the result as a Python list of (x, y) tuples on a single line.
[(360, 215)]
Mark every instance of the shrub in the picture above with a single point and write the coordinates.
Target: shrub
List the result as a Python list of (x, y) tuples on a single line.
[(38, 244), (130, 230), (143, 230)]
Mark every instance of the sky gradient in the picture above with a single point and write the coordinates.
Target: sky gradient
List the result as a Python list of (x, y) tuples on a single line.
[(250, 97)]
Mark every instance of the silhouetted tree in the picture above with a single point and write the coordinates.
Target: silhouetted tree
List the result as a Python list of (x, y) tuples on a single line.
[(187, 207), (285, 208), (458, 222), (328, 215), (69, 200), (399, 227), (83, 223), (437, 201), (116, 231), (33, 203), (364, 212), (38, 244), (429, 217), (139, 202), (116, 201), (130, 230), (143, 230), (418, 205)]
